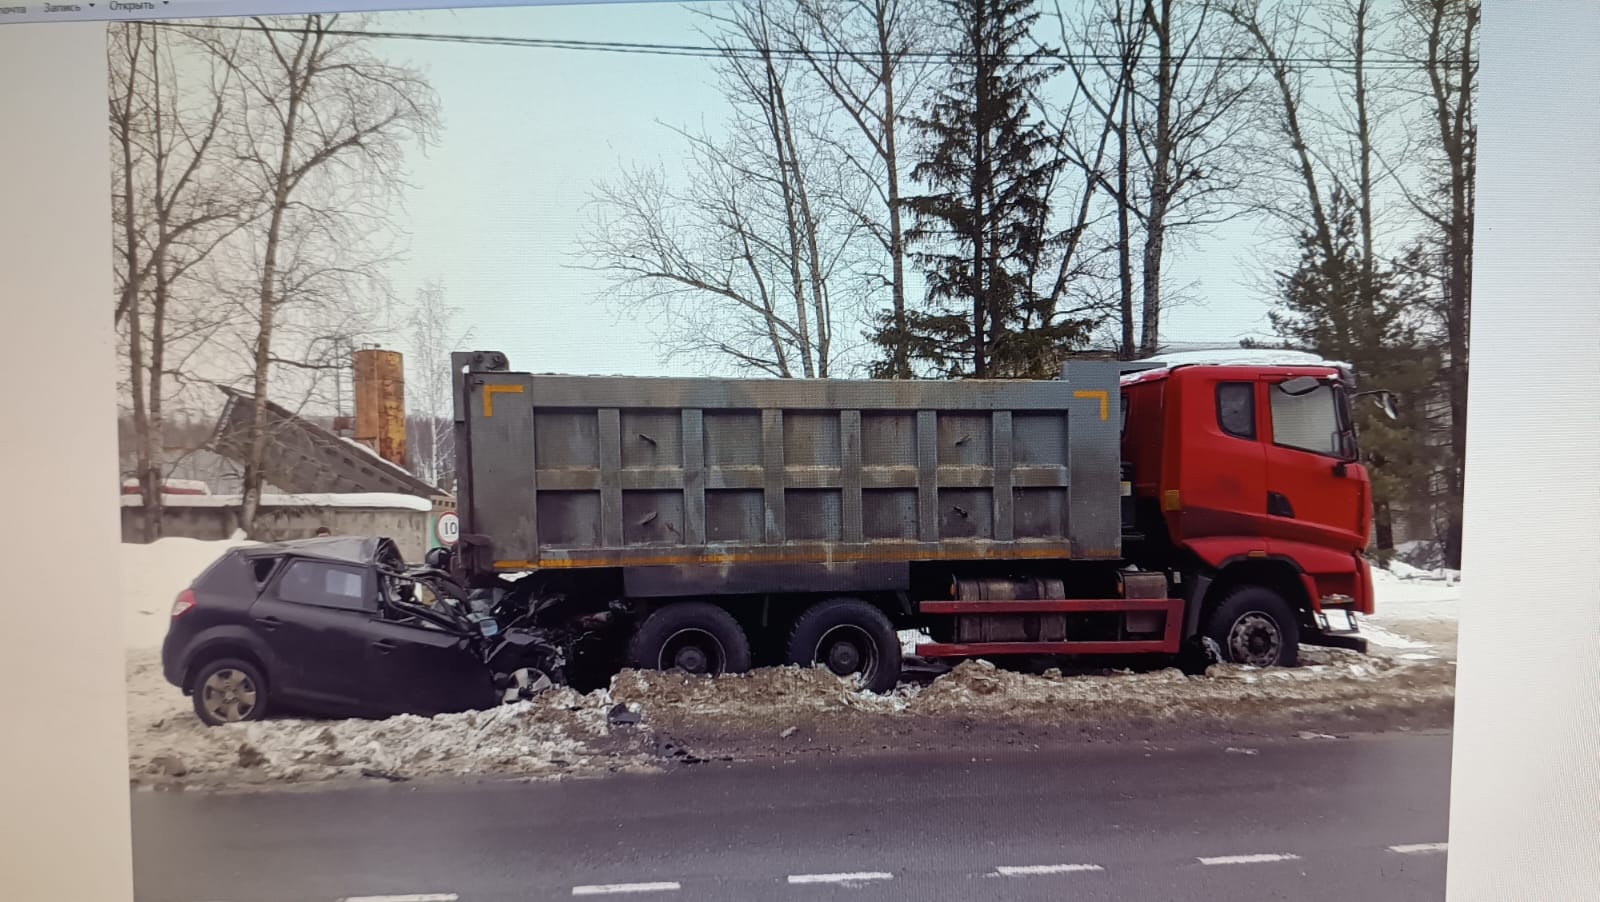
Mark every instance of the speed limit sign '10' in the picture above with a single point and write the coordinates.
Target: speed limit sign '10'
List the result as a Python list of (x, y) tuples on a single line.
[(447, 528)]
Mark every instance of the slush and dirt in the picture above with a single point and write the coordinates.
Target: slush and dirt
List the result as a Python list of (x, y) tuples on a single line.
[(647, 720)]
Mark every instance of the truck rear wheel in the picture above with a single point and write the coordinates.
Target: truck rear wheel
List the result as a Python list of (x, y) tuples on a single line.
[(692, 636), (848, 636), (1255, 626)]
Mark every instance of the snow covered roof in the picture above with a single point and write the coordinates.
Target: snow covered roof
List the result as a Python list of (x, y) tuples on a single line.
[(1162, 363), (367, 500)]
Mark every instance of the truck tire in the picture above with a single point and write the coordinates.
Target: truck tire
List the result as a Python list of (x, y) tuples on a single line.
[(228, 690), (848, 636), (1254, 625), (692, 636)]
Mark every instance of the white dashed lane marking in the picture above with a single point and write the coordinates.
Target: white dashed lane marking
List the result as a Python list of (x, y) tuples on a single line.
[(1249, 859), (1034, 870), (411, 897), (853, 877), (1420, 848), (612, 889)]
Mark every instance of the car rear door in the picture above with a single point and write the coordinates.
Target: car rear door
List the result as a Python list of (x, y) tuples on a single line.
[(314, 619)]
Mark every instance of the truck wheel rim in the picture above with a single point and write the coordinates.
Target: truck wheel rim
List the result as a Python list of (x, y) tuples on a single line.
[(692, 651), (1255, 640), (845, 650), (229, 695)]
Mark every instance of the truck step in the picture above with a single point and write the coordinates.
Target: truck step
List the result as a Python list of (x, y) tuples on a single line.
[(1168, 642), (975, 649)]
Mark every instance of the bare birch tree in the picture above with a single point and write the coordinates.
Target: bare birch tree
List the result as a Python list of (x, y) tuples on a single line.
[(172, 207), (872, 58), (1441, 36), (322, 147), (434, 336), (743, 264), (1175, 142)]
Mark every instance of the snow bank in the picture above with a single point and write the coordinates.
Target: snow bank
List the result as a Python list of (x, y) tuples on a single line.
[(1405, 593), (558, 733), (152, 577), (364, 500)]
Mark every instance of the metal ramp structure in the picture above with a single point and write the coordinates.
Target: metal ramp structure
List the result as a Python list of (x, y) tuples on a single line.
[(303, 458)]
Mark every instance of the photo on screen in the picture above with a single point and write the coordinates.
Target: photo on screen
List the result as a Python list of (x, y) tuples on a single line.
[(602, 398)]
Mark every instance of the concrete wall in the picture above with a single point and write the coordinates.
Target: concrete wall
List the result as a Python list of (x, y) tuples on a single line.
[(408, 528)]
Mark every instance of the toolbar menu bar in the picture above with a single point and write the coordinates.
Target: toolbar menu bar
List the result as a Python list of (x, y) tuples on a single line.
[(13, 12)]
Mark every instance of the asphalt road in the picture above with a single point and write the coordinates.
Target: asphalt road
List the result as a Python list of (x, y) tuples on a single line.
[(1316, 819)]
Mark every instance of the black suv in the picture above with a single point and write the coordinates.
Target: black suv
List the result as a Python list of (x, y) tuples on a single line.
[(341, 626)]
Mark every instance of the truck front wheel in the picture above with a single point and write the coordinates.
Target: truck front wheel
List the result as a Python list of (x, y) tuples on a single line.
[(1255, 626), (848, 636), (692, 636)]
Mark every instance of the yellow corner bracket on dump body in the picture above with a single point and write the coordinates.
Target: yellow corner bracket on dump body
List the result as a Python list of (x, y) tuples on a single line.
[(489, 391), (1103, 396)]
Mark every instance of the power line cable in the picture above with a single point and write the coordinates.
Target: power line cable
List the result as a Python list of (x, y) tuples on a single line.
[(712, 51)]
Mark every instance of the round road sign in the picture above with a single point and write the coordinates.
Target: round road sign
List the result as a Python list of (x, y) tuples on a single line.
[(447, 528)]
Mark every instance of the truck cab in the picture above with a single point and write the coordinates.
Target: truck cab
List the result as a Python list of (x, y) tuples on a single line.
[(1249, 475)]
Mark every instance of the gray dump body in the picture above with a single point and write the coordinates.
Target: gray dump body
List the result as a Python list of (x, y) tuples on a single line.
[(732, 486)]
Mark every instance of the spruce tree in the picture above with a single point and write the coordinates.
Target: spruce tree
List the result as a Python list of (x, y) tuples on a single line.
[(987, 162), (1337, 308)]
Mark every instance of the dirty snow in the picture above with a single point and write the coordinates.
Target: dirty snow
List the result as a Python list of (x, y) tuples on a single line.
[(559, 733), (1411, 668)]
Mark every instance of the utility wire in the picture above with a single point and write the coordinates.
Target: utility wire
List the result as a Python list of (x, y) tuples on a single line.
[(708, 51)]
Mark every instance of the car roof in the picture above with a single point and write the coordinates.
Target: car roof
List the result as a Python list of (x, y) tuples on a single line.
[(337, 549)]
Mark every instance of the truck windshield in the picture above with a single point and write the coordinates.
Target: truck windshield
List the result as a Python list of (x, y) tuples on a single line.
[(1313, 421)]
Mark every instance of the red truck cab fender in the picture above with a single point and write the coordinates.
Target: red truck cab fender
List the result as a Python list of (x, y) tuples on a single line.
[(1321, 572)]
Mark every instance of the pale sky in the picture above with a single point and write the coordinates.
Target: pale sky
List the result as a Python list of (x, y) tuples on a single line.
[(499, 202)]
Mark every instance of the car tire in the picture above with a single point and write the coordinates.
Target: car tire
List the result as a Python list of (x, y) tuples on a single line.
[(847, 636), (229, 690), (693, 636), (1254, 625)]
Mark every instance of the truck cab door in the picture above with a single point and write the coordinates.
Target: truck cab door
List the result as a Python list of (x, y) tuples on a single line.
[(1316, 493), (1218, 459)]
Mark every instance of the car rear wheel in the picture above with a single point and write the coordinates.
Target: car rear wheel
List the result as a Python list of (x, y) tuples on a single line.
[(848, 636), (1255, 626), (692, 636), (229, 690)]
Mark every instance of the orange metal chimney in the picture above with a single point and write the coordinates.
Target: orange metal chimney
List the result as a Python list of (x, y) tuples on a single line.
[(380, 389)]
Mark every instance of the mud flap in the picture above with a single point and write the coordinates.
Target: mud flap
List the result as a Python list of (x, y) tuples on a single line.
[(1351, 641), (1197, 654)]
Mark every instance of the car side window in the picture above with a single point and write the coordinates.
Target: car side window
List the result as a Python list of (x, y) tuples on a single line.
[(325, 586), (1236, 409)]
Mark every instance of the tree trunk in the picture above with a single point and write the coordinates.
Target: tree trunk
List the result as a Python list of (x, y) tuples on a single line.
[(1161, 182), (900, 354), (1124, 216)]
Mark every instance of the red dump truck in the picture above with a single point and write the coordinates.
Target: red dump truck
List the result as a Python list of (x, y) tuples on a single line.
[(711, 525)]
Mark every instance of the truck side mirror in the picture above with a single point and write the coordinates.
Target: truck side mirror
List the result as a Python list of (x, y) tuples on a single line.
[(1385, 402)]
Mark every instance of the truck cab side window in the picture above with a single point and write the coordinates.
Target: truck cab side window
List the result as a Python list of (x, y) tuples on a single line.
[(1236, 409)]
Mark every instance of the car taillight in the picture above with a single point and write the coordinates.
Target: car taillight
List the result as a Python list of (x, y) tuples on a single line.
[(184, 602)]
